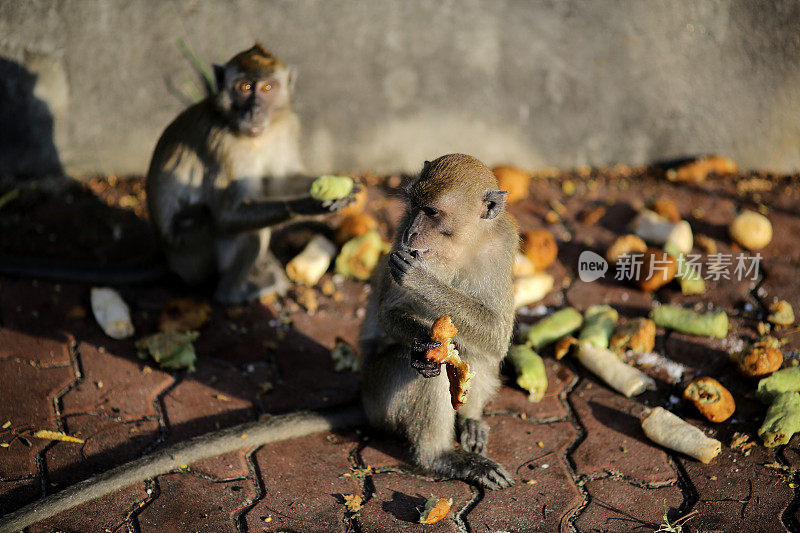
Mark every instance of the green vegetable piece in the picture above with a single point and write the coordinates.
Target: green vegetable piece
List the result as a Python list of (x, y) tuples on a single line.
[(690, 279), (171, 349), (550, 329), (688, 321), (360, 255), (782, 420), (786, 380), (598, 325), (331, 187), (530, 371)]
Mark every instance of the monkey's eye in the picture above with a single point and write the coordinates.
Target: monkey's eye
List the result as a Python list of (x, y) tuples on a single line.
[(244, 86), (266, 87), (430, 212)]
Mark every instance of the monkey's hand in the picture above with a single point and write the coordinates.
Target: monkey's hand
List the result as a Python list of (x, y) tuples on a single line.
[(405, 265), (311, 206), (422, 364)]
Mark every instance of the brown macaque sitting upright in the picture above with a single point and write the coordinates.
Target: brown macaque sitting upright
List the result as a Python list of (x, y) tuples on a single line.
[(217, 176), (452, 256)]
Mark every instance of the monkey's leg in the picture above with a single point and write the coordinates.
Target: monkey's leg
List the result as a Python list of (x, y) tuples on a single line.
[(472, 432), (267, 272), (235, 259), (430, 427)]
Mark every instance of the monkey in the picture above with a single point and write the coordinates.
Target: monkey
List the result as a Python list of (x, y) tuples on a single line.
[(452, 256), (215, 173), (217, 182)]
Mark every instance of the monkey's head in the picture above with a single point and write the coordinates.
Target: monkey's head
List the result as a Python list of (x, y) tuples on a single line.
[(452, 209), (250, 87)]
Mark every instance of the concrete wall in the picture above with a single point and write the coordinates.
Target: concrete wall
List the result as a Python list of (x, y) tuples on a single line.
[(89, 85)]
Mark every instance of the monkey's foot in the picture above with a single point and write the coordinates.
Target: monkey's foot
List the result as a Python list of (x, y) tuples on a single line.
[(260, 283), (473, 468), (268, 278), (473, 434)]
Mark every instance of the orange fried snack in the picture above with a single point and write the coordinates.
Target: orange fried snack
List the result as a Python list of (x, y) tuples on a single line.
[(458, 371)]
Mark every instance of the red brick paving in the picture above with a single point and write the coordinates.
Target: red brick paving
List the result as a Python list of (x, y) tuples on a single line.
[(601, 473)]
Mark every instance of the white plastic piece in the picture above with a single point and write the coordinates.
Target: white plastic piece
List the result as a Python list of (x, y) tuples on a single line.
[(620, 376), (654, 228), (111, 312), (671, 431), (309, 266)]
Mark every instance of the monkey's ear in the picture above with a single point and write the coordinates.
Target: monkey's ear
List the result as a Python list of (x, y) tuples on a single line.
[(292, 77), (219, 77), (493, 203)]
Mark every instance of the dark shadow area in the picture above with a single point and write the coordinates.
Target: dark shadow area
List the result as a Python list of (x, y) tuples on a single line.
[(404, 507), (27, 147), (250, 362), (624, 423)]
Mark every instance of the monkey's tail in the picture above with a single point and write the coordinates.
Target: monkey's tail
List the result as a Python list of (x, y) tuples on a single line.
[(121, 274), (248, 435)]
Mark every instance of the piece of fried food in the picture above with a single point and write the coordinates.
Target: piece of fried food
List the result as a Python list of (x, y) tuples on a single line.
[(658, 269), (540, 247), (458, 371), (712, 399), (761, 358), (638, 335)]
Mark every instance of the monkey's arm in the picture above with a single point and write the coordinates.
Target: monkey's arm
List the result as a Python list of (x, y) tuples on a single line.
[(480, 327), (248, 435)]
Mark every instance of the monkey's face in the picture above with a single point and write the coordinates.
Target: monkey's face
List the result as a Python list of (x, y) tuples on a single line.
[(448, 231), (249, 98)]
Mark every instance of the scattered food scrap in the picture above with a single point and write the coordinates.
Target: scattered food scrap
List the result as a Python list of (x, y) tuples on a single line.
[(761, 358), (656, 229), (111, 312), (666, 208), (513, 180), (435, 509), (353, 226), (751, 230), (598, 325), (591, 217), (309, 265), (606, 365), (540, 247), (710, 398), (638, 335), (522, 266), (551, 328), (353, 502), (359, 256), (670, 431), (741, 442), (691, 322), (625, 245), (184, 314), (531, 289), (172, 350), (698, 170), (658, 268), (54, 435), (530, 370), (781, 313), (786, 380), (782, 420)]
